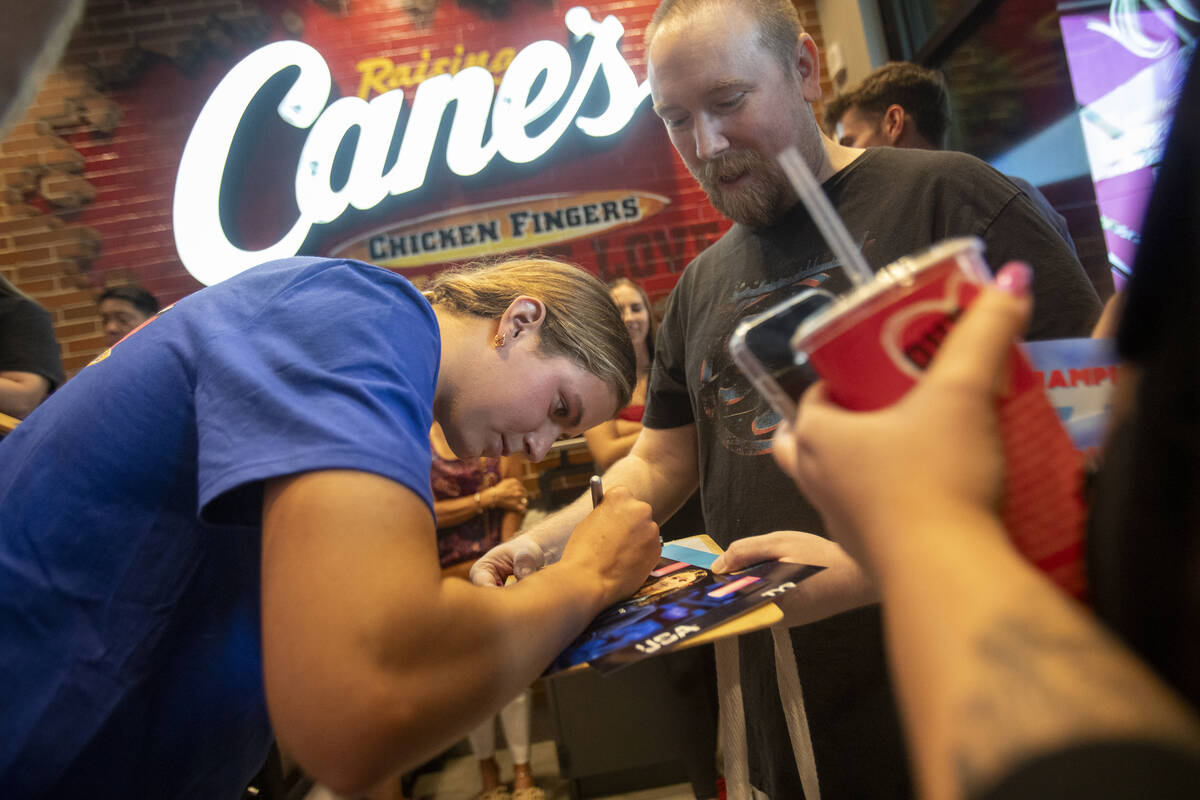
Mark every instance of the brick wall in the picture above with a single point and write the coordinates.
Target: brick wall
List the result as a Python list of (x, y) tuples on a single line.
[(86, 178)]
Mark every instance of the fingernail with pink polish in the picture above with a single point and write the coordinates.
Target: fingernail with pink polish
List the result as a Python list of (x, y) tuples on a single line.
[(1015, 279)]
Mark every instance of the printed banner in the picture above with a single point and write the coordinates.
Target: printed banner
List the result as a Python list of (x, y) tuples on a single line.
[(1079, 376), (527, 223)]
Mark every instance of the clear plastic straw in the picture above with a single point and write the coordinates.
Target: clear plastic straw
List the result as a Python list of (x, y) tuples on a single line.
[(828, 221)]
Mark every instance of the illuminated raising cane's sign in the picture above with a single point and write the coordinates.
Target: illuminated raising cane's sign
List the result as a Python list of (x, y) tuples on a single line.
[(203, 245)]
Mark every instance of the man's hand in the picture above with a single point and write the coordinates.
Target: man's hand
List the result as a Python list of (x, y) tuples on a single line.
[(520, 556), (841, 586), (618, 541)]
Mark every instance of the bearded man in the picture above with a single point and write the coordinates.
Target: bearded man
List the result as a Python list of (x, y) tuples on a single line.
[(733, 82)]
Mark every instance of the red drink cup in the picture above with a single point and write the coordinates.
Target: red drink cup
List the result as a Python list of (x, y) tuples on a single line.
[(872, 345)]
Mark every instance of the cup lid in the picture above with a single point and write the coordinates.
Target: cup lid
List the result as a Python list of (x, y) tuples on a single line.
[(898, 272)]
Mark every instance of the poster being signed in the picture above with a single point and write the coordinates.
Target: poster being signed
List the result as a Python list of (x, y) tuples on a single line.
[(677, 601)]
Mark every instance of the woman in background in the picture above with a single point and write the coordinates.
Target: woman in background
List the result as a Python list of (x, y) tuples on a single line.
[(689, 676), (612, 440), (479, 503)]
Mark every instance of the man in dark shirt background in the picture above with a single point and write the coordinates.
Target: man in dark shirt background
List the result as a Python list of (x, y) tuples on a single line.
[(905, 105)]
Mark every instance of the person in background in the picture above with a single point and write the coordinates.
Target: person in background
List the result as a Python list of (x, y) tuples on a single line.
[(612, 440), (733, 83), (31, 40), (905, 105), (221, 531), (515, 719), (898, 105), (30, 365), (687, 676), (123, 308), (479, 503)]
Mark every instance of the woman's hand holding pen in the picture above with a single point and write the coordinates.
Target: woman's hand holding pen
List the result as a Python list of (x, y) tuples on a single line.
[(619, 541), (602, 530)]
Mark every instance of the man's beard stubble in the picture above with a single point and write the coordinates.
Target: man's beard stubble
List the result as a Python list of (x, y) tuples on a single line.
[(758, 204)]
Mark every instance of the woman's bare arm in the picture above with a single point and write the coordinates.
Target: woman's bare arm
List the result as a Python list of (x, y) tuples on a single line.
[(372, 661)]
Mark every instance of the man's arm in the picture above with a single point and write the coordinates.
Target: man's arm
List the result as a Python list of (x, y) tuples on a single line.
[(841, 586), (512, 467), (608, 444), (660, 470), (1065, 304), (371, 661), (32, 367), (21, 392)]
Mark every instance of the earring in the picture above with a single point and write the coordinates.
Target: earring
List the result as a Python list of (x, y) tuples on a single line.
[(498, 341)]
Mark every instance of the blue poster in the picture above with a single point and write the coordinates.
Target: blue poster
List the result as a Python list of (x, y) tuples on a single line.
[(1079, 376)]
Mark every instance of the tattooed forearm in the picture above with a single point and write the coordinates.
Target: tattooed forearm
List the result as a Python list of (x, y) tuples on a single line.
[(1030, 693)]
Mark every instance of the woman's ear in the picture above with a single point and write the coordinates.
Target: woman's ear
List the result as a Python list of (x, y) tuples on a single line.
[(524, 315)]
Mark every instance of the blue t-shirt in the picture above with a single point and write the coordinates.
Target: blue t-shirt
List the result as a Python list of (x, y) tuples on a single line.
[(130, 507)]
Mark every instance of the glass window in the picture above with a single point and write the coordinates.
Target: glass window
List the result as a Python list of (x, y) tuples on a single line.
[(910, 24), (1009, 82)]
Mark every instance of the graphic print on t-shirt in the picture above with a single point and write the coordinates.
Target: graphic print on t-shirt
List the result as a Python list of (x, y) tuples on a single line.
[(743, 420)]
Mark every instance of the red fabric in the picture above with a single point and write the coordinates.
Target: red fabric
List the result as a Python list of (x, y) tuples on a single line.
[(632, 413)]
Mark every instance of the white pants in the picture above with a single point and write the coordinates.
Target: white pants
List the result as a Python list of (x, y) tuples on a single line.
[(515, 719)]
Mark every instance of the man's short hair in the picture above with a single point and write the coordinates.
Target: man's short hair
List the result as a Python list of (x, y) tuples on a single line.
[(778, 23), (136, 296), (919, 91), (834, 110)]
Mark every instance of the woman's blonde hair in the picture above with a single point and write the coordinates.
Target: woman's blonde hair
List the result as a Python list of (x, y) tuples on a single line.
[(582, 323)]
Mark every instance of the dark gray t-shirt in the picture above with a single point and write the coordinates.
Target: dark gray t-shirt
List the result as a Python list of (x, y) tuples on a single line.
[(27, 342), (895, 203), (1056, 220)]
